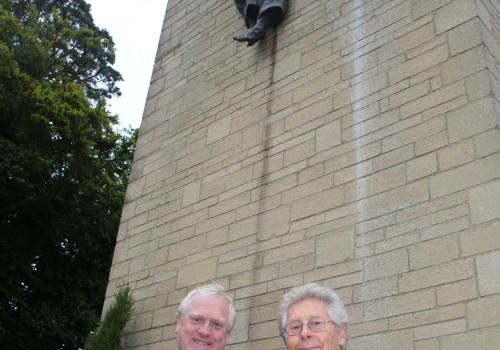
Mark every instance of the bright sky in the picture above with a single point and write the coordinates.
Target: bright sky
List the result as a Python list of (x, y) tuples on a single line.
[(135, 27)]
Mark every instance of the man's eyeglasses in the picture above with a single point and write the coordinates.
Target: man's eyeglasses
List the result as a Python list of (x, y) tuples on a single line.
[(295, 327), (214, 325)]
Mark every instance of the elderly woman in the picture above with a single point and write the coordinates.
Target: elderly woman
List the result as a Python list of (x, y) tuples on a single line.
[(311, 316)]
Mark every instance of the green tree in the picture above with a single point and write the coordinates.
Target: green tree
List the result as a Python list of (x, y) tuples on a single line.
[(63, 172), (108, 335)]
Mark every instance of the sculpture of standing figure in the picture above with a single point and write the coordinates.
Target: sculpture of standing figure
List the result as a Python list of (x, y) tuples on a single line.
[(259, 15)]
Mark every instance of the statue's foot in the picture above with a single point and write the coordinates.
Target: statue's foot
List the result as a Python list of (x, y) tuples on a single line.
[(252, 35)]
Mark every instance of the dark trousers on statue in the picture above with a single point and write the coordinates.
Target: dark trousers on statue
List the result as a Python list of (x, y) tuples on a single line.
[(259, 15)]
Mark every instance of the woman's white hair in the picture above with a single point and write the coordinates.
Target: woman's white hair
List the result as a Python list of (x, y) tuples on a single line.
[(335, 306), (209, 289)]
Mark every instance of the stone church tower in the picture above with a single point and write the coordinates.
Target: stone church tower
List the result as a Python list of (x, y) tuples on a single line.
[(357, 146)]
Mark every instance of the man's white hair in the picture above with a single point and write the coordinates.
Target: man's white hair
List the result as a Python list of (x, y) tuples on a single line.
[(209, 289), (335, 306)]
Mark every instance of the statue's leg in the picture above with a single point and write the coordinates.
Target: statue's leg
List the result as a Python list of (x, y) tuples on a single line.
[(265, 20), (249, 9), (251, 15)]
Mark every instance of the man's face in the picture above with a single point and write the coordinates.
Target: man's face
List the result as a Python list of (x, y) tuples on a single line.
[(329, 338), (204, 325)]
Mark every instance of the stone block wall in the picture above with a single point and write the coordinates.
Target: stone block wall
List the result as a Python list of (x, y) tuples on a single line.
[(358, 146)]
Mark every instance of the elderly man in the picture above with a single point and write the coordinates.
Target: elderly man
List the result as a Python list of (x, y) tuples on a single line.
[(311, 316), (204, 319), (259, 15)]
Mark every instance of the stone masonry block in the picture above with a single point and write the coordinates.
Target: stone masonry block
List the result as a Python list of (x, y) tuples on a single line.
[(243, 228), (484, 312), (436, 275), (235, 266), (360, 91), (366, 328), (263, 313), (396, 199), (273, 223), (216, 222), (252, 135), (427, 344), (434, 252), (299, 153), (306, 189), (230, 204), (387, 264), (465, 36), (484, 339), (481, 239), (463, 65), (396, 156), (328, 136), (377, 289), (316, 85), (282, 253), (263, 330), (120, 253), (400, 304), (431, 143), (478, 85), (348, 267), (297, 265), (256, 275), (471, 119), (453, 14), (452, 293), (431, 100), (191, 193), (421, 167), (456, 154), (407, 95), (423, 7), (359, 65), (288, 65), (217, 237), (309, 113), (488, 272), (317, 203), (376, 183), (335, 248), (404, 43), (189, 220), (193, 159), (144, 337), (414, 134), (468, 175), (426, 317), (239, 333), (164, 316), (440, 329), (401, 340), (196, 273), (119, 270), (418, 64), (442, 229), (187, 247), (487, 142), (484, 202)]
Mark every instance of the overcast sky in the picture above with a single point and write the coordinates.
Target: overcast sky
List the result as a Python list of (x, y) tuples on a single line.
[(135, 27)]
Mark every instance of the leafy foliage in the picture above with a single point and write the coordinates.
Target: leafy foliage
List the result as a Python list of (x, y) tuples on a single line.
[(63, 172), (108, 335), (57, 41)]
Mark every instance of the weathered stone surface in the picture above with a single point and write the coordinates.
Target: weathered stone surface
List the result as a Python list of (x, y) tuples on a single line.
[(357, 146)]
